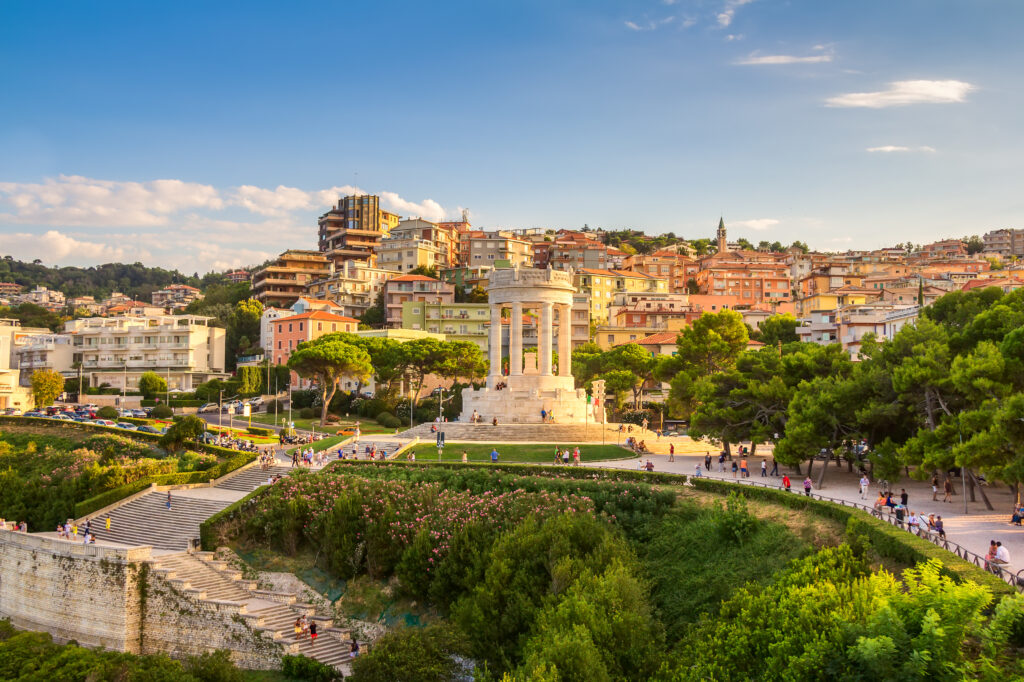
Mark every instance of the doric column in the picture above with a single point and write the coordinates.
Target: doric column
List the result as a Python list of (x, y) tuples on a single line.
[(494, 372), (565, 341), (515, 341), (544, 339)]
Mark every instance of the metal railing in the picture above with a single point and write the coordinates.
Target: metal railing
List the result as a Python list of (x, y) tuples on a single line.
[(1015, 580)]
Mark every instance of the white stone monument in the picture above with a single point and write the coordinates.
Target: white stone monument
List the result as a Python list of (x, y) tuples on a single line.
[(520, 396)]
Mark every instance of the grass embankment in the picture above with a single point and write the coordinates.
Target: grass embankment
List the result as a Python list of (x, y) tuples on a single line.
[(541, 453)]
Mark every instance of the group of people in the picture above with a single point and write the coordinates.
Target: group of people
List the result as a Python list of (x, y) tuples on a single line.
[(308, 457), (642, 466), (266, 459), (225, 441), (69, 531), (997, 556), (18, 526), (900, 507), (305, 626), (547, 417), (637, 446), (562, 456)]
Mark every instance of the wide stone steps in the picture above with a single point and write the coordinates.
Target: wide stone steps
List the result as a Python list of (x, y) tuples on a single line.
[(251, 478), (147, 521), (511, 433), (198, 575), (388, 446), (280, 619)]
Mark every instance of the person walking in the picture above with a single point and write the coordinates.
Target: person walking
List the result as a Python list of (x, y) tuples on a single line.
[(935, 487), (904, 497), (168, 500), (785, 482), (671, 452), (735, 468), (721, 463), (764, 469), (312, 632), (743, 467), (865, 483), (108, 523), (775, 467), (807, 486), (697, 474), (494, 456), (707, 461), (465, 457), (947, 489), (295, 458)]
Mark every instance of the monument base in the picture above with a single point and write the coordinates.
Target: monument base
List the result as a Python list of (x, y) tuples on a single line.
[(520, 399)]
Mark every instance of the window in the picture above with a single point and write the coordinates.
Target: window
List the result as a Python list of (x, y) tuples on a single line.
[(279, 345), (319, 326), (611, 338), (334, 326), (289, 326)]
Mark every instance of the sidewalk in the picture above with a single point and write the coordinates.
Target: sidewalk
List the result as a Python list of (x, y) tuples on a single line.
[(973, 530)]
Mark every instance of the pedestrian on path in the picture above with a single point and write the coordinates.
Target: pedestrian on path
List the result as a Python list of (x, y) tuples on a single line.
[(735, 468), (721, 463), (312, 633), (807, 486), (295, 458), (108, 523), (947, 489), (785, 482), (707, 462), (864, 485), (168, 500), (697, 475), (764, 469), (671, 452), (935, 487), (743, 468), (904, 497), (940, 528), (775, 467)]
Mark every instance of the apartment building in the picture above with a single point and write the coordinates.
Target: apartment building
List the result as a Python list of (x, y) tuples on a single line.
[(883, 320), (495, 249), (238, 276), (176, 296), (652, 311), (826, 279), (13, 337), (353, 229), (441, 240), (419, 288), (404, 253), (9, 289), (457, 321), (835, 299), (267, 320), (910, 295), (282, 282), (946, 248), (573, 250), (86, 303), (289, 332), (44, 351), (353, 285), (118, 350), (677, 269), (43, 297), (467, 278), (602, 285)]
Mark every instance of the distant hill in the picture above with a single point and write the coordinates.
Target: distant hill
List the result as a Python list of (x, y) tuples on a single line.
[(134, 279)]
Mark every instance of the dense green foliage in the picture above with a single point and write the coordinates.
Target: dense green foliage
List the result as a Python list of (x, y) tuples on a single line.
[(135, 279)]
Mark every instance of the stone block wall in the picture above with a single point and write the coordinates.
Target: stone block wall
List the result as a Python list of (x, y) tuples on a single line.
[(87, 593)]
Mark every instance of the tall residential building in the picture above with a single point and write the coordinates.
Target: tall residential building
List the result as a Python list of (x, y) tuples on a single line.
[(117, 350), (289, 332), (353, 285), (44, 351), (418, 243), (267, 320), (576, 251), (282, 282), (457, 321), (677, 269), (602, 285), (413, 288), (46, 298), (352, 229), (9, 289), (1004, 243), (495, 248)]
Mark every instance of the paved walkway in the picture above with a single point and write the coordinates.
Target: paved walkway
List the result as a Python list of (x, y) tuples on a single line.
[(973, 530)]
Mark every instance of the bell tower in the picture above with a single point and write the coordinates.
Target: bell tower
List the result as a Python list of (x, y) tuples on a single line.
[(722, 244)]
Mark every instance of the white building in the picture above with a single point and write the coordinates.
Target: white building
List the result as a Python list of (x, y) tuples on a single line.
[(116, 351), (267, 328), (13, 337), (41, 296), (44, 351), (354, 286)]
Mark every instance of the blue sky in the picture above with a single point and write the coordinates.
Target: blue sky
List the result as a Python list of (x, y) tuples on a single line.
[(207, 135)]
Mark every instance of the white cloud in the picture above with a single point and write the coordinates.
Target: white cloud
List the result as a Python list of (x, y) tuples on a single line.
[(427, 209), (649, 25), (271, 201), (728, 12), (773, 59), (76, 200), (733, 36), (757, 224), (901, 93), (689, 21), (889, 148), (57, 247)]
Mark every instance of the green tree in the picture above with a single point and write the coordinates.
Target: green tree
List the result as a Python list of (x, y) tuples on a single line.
[(252, 379), (461, 359), (187, 430), (375, 317), (243, 328), (428, 653), (421, 357), (632, 358), (777, 328), (477, 295), (46, 386), (152, 384), (327, 360)]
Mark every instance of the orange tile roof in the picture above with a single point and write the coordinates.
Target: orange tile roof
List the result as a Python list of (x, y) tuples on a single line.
[(318, 315), (413, 278), (659, 339)]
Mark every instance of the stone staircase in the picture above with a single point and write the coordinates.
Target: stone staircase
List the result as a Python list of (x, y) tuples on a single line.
[(249, 479), (200, 577), (511, 433), (388, 446), (147, 521)]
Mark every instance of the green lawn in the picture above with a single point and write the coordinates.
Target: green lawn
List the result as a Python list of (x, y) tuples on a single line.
[(536, 453), (366, 426)]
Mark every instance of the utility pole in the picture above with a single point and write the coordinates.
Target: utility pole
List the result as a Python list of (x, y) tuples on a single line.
[(220, 407)]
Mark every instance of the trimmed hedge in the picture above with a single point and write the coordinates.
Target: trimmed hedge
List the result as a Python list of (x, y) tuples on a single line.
[(526, 469), (259, 431), (207, 537), (888, 540), (174, 403), (97, 502)]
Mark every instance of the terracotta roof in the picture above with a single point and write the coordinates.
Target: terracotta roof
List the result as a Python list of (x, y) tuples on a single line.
[(321, 315), (754, 344), (413, 278), (659, 339), (993, 282)]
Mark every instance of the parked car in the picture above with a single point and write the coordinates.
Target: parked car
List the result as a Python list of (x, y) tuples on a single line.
[(64, 417), (139, 414), (208, 407), (103, 422), (83, 420), (148, 429), (127, 426), (33, 413)]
